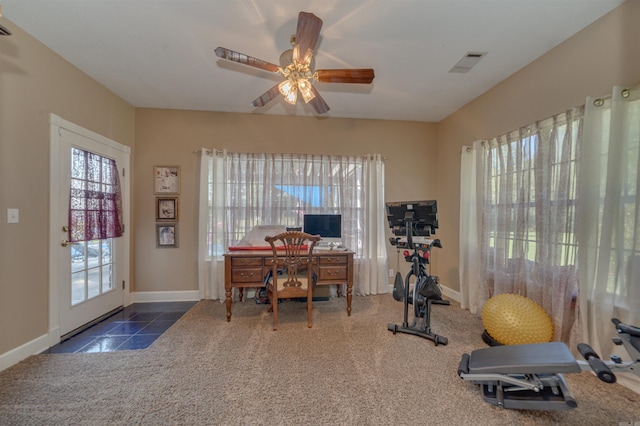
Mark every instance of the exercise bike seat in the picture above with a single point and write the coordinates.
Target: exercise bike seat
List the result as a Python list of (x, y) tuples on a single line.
[(534, 358)]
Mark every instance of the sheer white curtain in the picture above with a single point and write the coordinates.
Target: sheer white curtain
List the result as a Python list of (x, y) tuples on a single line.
[(372, 264), (211, 244), (609, 219), (525, 182), (241, 190), (471, 201)]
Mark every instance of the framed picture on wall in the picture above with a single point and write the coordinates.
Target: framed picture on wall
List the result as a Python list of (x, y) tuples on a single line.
[(166, 179), (166, 235), (166, 209)]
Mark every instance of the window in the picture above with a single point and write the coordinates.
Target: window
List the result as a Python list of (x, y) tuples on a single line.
[(95, 218), (528, 240), (239, 191), (274, 189), (531, 192), (95, 203)]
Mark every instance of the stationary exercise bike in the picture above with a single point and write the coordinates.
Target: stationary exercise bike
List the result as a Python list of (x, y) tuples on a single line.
[(530, 377), (425, 290)]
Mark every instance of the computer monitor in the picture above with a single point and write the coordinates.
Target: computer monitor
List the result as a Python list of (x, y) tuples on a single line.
[(328, 226), (423, 214)]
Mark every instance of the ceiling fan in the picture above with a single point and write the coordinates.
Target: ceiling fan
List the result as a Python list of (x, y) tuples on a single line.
[(297, 65)]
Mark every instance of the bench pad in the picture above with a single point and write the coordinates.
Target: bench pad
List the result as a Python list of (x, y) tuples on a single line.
[(535, 358)]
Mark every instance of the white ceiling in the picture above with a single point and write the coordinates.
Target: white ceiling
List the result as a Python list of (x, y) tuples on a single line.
[(160, 53)]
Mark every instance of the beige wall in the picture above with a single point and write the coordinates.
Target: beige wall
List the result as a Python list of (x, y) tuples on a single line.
[(605, 54), (166, 137), (35, 82)]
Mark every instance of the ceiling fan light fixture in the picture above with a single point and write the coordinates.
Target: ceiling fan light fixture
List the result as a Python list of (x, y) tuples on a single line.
[(305, 90), (289, 90)]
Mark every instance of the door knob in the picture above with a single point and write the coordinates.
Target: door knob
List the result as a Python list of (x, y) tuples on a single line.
[(65, 243)]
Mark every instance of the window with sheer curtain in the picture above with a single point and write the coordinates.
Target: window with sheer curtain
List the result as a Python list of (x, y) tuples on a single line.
[(526, 232), (609, 219), (242, 190), (529, 235), (95, 202), (552, 212)]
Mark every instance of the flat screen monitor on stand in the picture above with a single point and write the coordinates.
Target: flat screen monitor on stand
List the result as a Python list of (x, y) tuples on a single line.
[(328, 226), (422, 215)]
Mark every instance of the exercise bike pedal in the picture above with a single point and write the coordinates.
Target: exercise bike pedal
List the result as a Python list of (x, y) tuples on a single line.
[(398, 288)]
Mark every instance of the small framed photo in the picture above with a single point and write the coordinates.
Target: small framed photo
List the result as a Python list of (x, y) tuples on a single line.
[(166, 179), (166, 235), (167, 209)]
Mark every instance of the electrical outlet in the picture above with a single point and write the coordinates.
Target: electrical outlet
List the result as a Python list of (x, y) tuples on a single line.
[(391, 273)]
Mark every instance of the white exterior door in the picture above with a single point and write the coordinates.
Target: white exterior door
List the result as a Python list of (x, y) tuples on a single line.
[(87, 279)]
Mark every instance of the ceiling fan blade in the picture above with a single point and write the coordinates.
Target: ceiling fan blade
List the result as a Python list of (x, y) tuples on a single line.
[(318, 103), (234, 56), (266, 97), (361, 76), (307, 35)]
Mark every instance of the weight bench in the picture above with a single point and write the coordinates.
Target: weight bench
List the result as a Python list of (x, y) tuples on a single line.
[(530, 377)]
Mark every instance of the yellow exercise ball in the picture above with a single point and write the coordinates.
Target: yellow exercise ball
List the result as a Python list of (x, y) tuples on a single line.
[(512, 319)]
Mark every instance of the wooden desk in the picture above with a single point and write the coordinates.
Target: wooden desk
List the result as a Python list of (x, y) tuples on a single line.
[(245, 268)]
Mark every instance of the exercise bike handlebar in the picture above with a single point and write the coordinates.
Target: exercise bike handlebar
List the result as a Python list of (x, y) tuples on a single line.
[(395, 241)]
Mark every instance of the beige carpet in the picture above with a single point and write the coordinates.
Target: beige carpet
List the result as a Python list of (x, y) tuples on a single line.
[(343, 371)]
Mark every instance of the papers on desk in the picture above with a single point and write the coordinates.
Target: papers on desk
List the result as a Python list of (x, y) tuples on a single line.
[(330, 248)]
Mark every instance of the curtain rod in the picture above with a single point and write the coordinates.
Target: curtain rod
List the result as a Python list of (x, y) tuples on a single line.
[(219, 152), (208, 151)]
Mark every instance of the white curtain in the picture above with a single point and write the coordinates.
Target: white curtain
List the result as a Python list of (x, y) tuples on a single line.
[(241, 190), (372, 265), (471, 200), (609, 217), (210, 243), (517, 220)]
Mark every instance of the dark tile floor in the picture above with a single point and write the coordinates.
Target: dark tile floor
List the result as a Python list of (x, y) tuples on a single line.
[(135, 327)]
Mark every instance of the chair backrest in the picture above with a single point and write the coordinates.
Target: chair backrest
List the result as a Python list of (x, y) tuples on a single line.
[(294, 252)]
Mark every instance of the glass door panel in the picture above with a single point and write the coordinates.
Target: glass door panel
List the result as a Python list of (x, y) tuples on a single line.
[(91, 269)]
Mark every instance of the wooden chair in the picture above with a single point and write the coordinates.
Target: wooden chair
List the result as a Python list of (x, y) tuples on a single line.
[(292, 271)]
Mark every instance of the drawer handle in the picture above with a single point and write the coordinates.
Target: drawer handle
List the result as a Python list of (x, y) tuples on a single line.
[(247, 274)]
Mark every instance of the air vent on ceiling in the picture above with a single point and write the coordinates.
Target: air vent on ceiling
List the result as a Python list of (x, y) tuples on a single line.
[(467, 62)]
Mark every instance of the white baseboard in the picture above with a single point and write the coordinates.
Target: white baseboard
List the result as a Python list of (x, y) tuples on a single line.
[(451, 294), (16, 355), (446, 291), (164, 296)]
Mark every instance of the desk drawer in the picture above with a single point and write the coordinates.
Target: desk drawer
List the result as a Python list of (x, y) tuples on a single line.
[(246, 261), (268, 262), (333, 260), (247, 275), (332, 273)]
